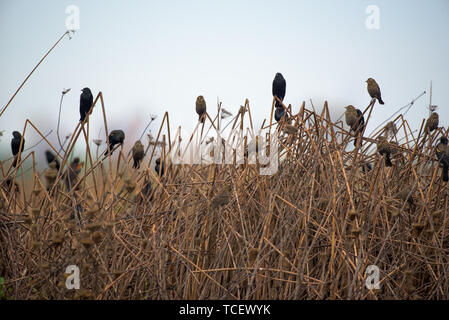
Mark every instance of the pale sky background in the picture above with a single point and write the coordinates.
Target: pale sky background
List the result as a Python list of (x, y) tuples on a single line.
[(148, 57)]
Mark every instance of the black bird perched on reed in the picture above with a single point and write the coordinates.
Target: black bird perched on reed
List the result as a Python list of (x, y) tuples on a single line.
[(432, 122), (374, 90), (383, 147), (15, 146), (51, 157), (355, 120), (138, 153), (442, 153), (115, 137), (201, 108), (86, 101), (278, 89), (159, 168), (71, 175)]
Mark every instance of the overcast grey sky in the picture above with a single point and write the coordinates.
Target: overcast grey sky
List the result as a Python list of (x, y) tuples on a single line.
[(148, 57)]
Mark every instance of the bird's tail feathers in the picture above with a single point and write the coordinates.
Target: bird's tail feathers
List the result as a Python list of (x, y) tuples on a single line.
[(445, 173), (388, 160), (14, 163)]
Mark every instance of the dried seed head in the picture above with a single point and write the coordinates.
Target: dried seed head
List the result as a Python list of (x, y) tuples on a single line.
[(289, 129), (58, 238), (97, 142), (221, 199), (324, 255), (108, 226), (84, 294), (355, 231), (130, 185), (87, 242), (97, 236), (71, 225), (34, 228), (252, 254), (95, 226), (45, 266), (92, 211), (37, 245), (429, 232), (417, 228), (353, 214), (28, 220), (35, 212), (36, 191)]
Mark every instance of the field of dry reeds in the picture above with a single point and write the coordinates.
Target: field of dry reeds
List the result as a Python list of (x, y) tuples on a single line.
[(218, 231)]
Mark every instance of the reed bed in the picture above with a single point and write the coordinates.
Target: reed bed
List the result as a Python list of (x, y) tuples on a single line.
[(218, 231)]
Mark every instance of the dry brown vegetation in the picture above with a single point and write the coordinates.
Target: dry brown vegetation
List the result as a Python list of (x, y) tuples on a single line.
[(226, 232)]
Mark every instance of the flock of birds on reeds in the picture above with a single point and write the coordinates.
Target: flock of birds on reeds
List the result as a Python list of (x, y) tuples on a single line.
[(354, 119)]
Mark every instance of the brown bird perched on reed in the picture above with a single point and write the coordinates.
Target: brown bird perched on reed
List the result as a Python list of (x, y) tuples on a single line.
[(374, 90), (432, 122), (383, 147), (390, 129), (355, 120), (442, 153), (71, 175), (138, 153), (201, 108), (15, 146), (115, 137), (278, 89)]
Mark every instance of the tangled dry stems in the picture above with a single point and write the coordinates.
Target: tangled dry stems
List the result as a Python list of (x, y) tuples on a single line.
[(226, 232)]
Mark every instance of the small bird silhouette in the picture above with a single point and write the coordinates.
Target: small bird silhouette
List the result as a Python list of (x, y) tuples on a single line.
[(138, 153), (15, 146), (279, 86), (50, 158), (374, 90), (432, 122), (201, 108), (159, 168), (115, 137), (383, 147), (86, 100), (355, 120), (391, 129), (225, 113), (442, 153), (71, 175)]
